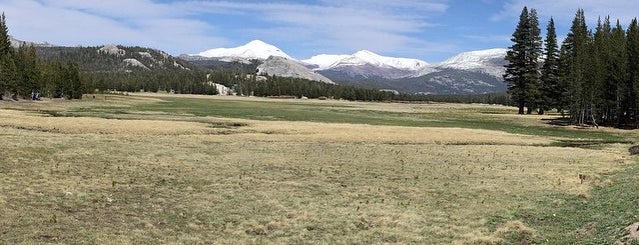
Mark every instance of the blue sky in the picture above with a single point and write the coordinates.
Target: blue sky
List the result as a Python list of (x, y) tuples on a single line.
[(431, 30)]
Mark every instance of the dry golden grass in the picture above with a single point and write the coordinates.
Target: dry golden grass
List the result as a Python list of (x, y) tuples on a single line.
[(161, 178)]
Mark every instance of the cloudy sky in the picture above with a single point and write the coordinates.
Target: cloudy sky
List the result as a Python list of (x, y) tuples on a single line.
[(432, 30)]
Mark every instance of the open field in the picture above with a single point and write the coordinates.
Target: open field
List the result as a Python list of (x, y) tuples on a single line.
[(196, 170)]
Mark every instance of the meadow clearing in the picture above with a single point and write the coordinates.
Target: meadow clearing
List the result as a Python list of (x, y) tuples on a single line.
[(151, 168)]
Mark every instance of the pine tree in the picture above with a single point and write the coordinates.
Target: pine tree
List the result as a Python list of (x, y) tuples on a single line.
[(7, 65), (550, 90), (618, 76), (602, 90), (533, 66), (8, 75), (73, 81), (633, 67), (522, 71), (574, 58), (516, 57), (27, 67), (5, 41)]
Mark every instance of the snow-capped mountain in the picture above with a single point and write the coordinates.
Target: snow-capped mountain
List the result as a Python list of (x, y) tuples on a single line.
[(273, 60), (364, 57), (466, 73), (469, 72), (490, 61), (255, 49), (366, 64)]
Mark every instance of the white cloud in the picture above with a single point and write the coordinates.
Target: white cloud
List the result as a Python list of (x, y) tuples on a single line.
[(192, 26), (144, 23), (379, 25)]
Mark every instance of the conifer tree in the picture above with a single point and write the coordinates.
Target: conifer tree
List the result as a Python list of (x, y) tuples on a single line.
[(516, 56), (26, 62), (533, 65), (8, 75), (574, 56), (5, 41), (617, 76), (522, 71), (633, 66), (7, 65), (602, 90), (550, 90)]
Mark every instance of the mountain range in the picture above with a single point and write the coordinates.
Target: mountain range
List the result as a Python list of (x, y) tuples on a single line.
[(475, 72), (467, 73)]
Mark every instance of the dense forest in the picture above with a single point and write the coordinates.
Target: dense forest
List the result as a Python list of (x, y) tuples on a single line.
[(593, 76), (23, 75)]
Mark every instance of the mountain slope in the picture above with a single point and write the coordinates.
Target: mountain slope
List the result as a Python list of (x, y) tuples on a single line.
[(490, 61), (114, 58), (284, 67)]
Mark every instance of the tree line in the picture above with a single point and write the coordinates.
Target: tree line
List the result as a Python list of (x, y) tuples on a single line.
[(23, 75), (593, 76)]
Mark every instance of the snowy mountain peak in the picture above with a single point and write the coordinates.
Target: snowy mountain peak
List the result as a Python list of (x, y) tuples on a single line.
[(490, 61), (255, 49), (365, 57), (325, 61), (399, 63), (476, 56)]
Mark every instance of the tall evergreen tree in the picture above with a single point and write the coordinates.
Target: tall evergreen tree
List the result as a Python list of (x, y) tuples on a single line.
[(522, 71), (550, 90), (516, 68), (5, 41), (617, 75), (574, 58), (533, 67), (7, 65), (633, 67), (26, 62), (8, 74), (602, 90)]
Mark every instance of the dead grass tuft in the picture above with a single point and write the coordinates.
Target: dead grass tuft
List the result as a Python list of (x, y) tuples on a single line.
[(511, 232)]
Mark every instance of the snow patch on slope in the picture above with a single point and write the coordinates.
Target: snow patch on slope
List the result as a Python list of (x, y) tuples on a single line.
[(490, 61), (384, 61), (365, 57), (325, 61)]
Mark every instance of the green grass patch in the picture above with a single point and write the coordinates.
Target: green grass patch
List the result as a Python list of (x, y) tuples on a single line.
[(334, 113), (562, 218)]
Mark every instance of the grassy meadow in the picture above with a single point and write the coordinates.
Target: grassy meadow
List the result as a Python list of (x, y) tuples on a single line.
[(158, 169)]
